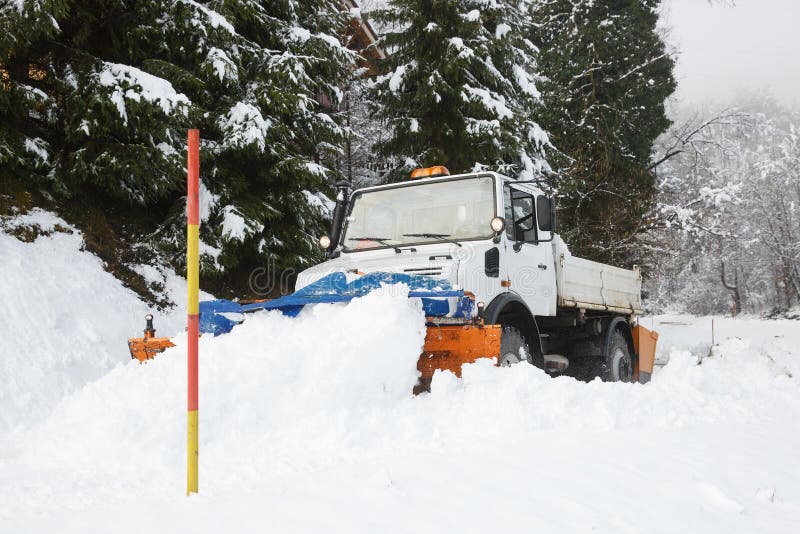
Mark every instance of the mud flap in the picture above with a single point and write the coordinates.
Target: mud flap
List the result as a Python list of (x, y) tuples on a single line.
[(644, 344)]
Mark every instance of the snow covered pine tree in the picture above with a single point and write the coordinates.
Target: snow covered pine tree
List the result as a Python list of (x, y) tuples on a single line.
[(96, 98), (606, 74), (458, 88)]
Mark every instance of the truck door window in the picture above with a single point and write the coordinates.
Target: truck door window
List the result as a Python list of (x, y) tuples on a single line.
[(520, 215)]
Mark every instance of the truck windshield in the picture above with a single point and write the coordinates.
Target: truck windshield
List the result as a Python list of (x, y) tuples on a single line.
[(452, 210)]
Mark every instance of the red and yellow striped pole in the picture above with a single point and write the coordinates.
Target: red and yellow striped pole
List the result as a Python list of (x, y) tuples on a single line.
[(192, 283)]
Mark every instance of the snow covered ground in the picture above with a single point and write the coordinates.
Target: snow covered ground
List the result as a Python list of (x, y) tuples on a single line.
[(62, 318), (308, 424)]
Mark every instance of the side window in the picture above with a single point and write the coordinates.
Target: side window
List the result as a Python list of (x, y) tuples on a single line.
[(520, 215), (509, 214)]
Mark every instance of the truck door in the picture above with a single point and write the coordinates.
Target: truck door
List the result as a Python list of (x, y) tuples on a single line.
[(529, 266)]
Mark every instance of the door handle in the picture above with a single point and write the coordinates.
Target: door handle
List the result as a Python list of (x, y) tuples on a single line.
[(542, 266)]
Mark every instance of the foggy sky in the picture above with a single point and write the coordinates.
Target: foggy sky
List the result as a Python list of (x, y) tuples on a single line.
[(754, 46)]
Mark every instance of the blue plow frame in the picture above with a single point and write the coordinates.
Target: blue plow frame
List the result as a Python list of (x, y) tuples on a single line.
[(434, 293)]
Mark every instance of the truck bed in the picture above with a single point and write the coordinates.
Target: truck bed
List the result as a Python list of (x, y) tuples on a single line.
[(595, 286)]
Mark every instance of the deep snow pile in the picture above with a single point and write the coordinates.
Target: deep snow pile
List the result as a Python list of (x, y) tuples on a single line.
[(64, 321), (308, 424)]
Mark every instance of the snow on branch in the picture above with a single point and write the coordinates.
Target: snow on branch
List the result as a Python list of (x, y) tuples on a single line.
[(215, 19), (130, 83), (244, 125), (687, 135)]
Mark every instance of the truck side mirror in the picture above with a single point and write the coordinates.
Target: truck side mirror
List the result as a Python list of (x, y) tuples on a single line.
[(546, 213), (339, 212)]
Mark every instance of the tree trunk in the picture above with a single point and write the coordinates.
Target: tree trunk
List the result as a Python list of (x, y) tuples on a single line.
[(734, 289)]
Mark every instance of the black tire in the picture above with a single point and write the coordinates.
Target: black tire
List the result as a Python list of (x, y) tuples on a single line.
[(618, 360), (513, 347)]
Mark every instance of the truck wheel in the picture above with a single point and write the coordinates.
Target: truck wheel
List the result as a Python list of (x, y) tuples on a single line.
[(618, 365), (513, 348)]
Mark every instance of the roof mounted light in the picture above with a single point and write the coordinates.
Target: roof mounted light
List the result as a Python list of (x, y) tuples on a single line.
[(430, 172)]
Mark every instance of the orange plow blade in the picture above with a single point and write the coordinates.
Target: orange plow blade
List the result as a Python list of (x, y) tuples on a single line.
[(146, 348), (449, 347)]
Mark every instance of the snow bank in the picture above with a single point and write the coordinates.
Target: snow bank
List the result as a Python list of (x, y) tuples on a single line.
[(276, 390), (309, 423), (64, 321), (282, 398)]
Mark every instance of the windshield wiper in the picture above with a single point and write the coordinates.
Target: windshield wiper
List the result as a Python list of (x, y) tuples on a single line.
[(381, 240), (441, 237)]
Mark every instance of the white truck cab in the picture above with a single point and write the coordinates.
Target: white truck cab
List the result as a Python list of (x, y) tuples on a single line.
[(495, 237)]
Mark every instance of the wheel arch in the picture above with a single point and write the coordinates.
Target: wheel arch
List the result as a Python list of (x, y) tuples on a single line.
[(509, 304)]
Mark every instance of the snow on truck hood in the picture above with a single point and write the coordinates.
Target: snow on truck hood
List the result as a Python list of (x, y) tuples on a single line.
[(437, 260)]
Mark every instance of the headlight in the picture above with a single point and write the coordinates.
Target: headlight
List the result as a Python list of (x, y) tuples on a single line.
[(498, 224), (325, 241)]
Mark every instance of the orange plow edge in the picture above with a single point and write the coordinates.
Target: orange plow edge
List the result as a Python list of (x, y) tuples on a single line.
[(146, 348), (449, 347)]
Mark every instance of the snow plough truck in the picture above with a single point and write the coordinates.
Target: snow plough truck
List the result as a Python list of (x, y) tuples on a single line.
[(481, 252)]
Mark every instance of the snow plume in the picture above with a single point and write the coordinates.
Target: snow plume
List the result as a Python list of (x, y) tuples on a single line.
[(130, 83), (244, 125)]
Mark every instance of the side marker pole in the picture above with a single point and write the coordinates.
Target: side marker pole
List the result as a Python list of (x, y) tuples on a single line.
[(193, 319)]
